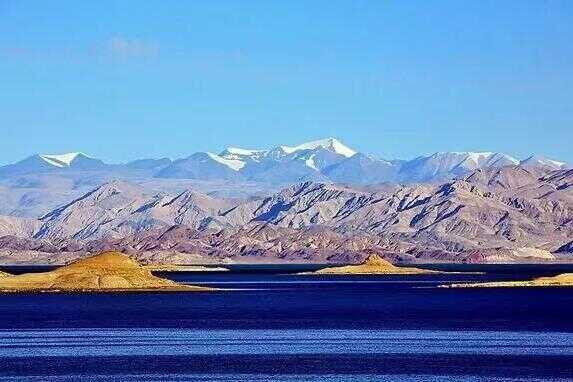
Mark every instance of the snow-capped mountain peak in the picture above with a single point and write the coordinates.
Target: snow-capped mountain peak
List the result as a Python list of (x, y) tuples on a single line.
[(331, 144), (61, 160), (281, 153)]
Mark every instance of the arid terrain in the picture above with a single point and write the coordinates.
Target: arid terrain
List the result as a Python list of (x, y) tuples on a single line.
[(501, 215)]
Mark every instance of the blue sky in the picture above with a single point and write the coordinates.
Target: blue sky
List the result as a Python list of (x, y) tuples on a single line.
[(126, 79)]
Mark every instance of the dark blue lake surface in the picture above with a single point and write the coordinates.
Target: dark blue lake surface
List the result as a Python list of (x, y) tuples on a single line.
[(277, 327)]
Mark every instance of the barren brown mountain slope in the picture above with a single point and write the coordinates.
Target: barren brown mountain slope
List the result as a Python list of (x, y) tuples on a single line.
[(118, 209), (461, 215), (501, 215)]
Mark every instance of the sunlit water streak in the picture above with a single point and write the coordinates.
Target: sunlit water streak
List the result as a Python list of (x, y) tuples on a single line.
[(146, 341)]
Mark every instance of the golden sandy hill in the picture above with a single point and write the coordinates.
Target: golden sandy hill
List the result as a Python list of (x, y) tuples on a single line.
[(108, 271), (562, 280), (373, 265)]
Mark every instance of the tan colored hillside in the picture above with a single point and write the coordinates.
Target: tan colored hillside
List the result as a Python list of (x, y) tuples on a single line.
[(106, 272), (562, 280), (373, 265)]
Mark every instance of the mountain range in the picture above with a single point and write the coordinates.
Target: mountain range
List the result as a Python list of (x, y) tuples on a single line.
[(518, 212), (40, 183)]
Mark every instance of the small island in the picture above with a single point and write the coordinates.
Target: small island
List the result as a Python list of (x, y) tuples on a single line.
[(183, 268), (562, 280), (374, 265), (106, 272)]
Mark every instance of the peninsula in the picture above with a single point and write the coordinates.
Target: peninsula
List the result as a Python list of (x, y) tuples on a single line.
[(562, 280)]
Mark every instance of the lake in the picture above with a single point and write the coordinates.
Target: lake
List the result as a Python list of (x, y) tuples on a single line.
[(268, 326)]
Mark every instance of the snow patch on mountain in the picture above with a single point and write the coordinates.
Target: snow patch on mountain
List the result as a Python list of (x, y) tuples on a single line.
[(60, 160), (555, 163), (310, 163), (331, 144), (243, 155), (480, 159), (538, 160), (231, 163)]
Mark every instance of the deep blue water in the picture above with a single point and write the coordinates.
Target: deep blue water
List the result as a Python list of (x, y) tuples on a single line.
[(278, 327)]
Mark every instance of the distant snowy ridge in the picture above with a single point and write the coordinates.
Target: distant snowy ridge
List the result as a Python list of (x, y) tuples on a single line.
[(331, 144), (244, 152), (538, 160), (324, 160), (240, 157)]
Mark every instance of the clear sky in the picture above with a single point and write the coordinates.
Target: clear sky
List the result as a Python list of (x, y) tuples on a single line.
[(126, 79)]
